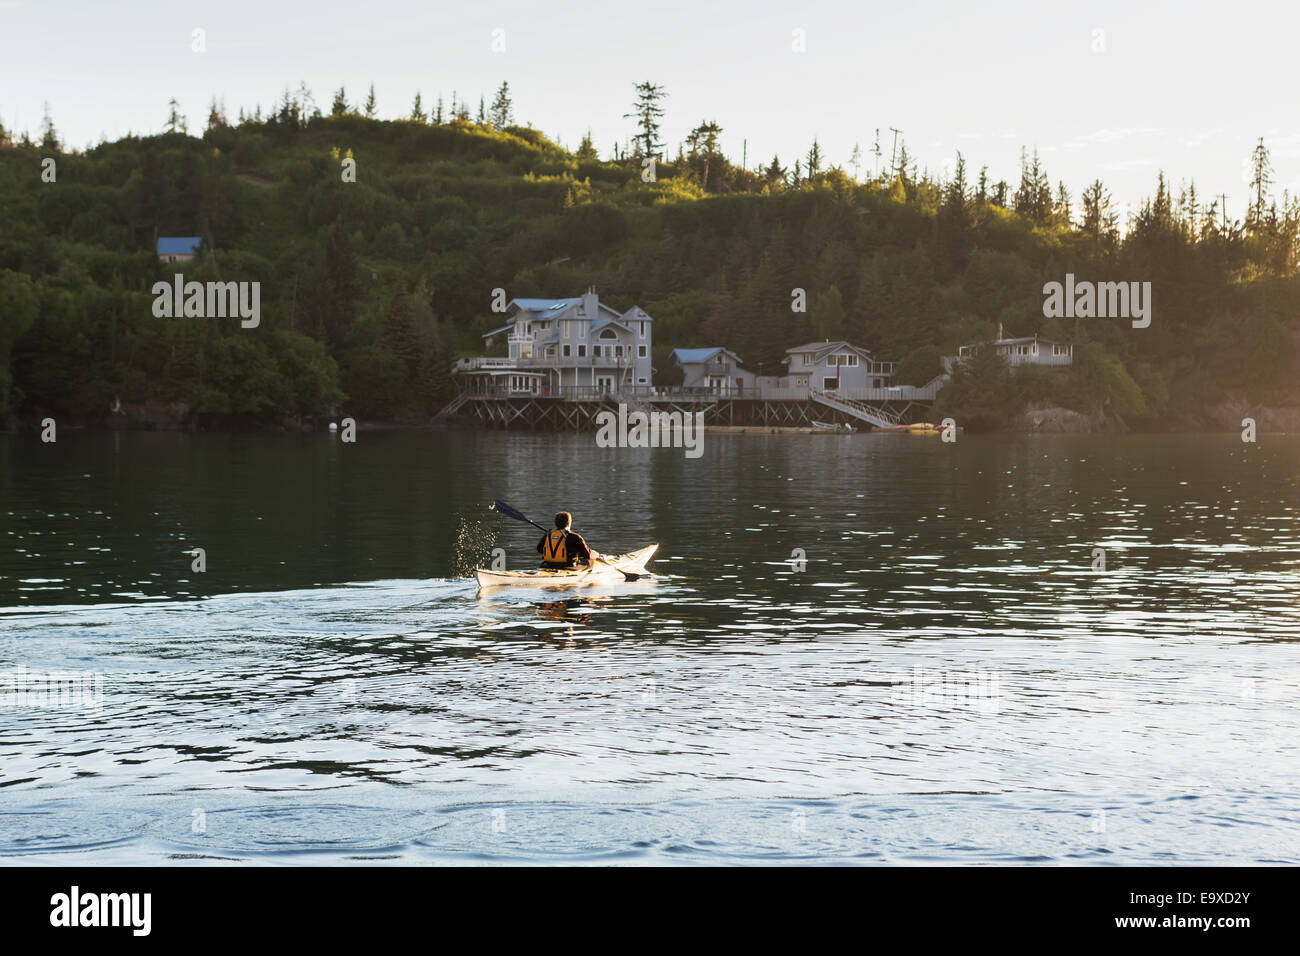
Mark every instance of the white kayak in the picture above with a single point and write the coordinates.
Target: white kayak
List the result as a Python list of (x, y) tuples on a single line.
[(633, 562)]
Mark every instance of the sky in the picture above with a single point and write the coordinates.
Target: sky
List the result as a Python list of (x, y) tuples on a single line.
[(1109, 90)]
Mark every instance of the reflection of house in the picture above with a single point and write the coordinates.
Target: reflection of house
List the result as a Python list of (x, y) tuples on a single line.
[(1027, 351), (716, 369), (835, 365), (556, 346), (178, 248)]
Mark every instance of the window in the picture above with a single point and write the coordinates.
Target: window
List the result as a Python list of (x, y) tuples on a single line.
[(608, 334), (568, 329), (595, 351), (640, 350), (1060, 350), (807, 359), (567, 350), (642, 330), (582, 351), (582, 330), (853, 360)]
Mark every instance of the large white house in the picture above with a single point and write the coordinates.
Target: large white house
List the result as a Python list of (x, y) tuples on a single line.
[(565, 346)]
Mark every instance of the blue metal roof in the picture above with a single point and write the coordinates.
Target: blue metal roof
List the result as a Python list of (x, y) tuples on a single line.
[(179, 245), (700, 355), (545, 305)]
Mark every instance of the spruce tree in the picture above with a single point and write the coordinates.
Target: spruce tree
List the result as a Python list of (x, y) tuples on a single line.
[(647, 111), (502, 114)]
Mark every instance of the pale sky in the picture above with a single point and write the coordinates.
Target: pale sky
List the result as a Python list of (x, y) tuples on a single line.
[(1116, 90)]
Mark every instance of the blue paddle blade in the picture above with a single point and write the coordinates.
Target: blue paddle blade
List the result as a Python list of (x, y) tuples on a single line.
[(509, 512)]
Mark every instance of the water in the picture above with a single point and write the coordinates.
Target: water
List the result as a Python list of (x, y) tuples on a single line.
[(941, 673)]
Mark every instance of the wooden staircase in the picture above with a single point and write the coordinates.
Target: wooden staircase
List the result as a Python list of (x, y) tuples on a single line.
[(452, 407)]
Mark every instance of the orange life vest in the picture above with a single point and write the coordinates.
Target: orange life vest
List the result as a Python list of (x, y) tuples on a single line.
[(554, 549)]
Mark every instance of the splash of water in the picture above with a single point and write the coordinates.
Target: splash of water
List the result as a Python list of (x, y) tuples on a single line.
[(474, 543)]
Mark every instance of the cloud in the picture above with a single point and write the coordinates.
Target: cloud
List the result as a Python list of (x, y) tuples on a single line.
[(1129, 164)]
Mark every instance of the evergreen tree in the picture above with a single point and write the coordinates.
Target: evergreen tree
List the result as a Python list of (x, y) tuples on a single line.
[(1063, 203), (1261, 181), (1099, 217), (216, 116), (370, 109), (307, 109), (417, 110), (702, 146), (502, 109), (774, 175), (855, 160), (1033, 198), (340, 106), (437, 113), (814, 159), (647, 111), (176, 122), (482, 113), (586, 150)]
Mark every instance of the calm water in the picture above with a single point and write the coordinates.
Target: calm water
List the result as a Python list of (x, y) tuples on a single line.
[(944, 678)]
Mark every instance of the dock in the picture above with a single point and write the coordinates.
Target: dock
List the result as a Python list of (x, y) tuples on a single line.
[(575, 409)]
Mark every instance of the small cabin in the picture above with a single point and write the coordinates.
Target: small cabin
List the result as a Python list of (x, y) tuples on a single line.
[(1030, 350), (178, 248), (716, 369)]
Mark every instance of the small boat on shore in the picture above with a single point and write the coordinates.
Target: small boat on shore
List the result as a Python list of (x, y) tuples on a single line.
[(831, 427), (609, 569)]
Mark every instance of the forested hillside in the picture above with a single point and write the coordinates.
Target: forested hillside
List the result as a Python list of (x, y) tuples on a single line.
[(371, 288)]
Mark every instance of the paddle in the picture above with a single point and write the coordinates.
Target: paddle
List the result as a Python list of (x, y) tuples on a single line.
[(518, 515)]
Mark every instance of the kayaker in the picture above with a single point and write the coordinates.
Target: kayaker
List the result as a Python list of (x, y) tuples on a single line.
[(563, 548)]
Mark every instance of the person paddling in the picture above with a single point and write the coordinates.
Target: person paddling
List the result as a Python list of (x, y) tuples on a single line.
[(563, 548)]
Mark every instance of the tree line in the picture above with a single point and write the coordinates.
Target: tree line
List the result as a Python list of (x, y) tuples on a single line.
[(372, 288)]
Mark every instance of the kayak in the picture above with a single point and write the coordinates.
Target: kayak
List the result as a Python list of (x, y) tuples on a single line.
[(633, 562)]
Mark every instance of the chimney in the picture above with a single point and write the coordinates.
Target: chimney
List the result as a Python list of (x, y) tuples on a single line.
[(591, 303)]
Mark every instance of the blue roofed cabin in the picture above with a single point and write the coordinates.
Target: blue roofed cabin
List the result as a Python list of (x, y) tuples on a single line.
[(178, 248), (715, 369), (565, 346)]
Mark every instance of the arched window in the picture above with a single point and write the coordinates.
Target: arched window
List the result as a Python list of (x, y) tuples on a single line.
[(608, 334)]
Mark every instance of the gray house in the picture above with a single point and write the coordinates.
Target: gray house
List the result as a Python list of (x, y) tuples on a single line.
[(717, 369), (832, 366), (1027, 351), (559, 346)]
